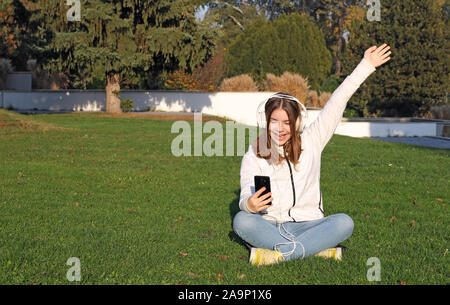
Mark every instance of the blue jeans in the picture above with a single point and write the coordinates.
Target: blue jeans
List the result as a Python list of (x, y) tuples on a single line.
[(293, 239)]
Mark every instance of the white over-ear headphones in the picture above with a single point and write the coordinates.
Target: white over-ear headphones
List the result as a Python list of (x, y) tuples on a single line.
[(261, 114)]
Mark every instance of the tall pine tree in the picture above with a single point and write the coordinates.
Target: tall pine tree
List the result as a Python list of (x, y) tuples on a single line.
[(417, 76), (122, 39)]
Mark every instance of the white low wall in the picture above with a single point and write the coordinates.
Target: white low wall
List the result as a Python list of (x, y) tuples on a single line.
[(55, 100), (382, 128), (238, 106)]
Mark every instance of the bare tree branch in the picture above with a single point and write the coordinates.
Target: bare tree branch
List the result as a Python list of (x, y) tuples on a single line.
[(236, 21), (232, 6)]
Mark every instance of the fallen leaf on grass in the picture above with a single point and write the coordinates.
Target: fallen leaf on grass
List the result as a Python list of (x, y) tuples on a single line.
[(223, 257), (191, 274), (392, 220), (182, 254), (207, 235), (76, 204), (241, 277), (402, 283), (412, 224), (219, 275), (438, 199)]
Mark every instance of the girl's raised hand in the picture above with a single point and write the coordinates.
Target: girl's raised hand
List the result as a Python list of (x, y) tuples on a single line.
[(378, 55)]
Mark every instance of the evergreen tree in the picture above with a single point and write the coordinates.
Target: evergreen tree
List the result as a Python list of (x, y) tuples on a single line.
[(123, 39), (289, 43), (333, 17), (417, 76), (18, 32)]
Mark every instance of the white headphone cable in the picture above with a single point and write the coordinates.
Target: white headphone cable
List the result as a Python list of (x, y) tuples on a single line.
[(290, 238)]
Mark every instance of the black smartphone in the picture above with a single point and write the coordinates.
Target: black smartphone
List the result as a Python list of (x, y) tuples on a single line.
[(261, 181)]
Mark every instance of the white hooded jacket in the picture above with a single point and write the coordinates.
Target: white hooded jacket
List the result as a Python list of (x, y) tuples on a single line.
[(306, 174)]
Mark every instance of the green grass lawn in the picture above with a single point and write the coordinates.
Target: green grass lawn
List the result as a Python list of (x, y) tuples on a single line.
[(108, 191)]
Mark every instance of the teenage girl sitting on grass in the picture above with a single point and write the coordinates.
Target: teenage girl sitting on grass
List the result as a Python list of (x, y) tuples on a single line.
[(294, 226)]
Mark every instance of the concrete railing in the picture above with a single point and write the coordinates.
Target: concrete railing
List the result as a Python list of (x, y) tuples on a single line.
[(238, 106)]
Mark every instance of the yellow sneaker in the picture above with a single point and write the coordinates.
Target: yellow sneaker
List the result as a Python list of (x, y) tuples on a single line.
[(261, 257), (335, 253)]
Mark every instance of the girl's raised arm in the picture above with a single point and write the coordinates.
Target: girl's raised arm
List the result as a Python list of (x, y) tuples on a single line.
[(323, 127)]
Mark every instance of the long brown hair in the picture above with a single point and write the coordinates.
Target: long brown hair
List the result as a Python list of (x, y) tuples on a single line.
[(293, 147)]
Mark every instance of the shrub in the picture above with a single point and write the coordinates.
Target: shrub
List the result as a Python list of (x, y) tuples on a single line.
[(441, 112), (289, 43), (243, 82), (209, 75), (126, 104), (288, 82), (317, 101), (330, 84), (5, 68), (323, 98), (312, 99), (351, 113), (180, 80)]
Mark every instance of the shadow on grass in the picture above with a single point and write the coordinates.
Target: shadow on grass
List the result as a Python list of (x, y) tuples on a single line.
[(234, 209)]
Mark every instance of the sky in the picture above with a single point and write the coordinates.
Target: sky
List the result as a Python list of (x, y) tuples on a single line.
[(201, 12)]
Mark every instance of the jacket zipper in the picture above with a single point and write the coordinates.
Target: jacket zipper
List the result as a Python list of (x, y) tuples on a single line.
[(293, 192), (293, 189)]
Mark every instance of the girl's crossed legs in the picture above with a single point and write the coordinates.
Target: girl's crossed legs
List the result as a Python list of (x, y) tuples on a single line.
[(310, 237)]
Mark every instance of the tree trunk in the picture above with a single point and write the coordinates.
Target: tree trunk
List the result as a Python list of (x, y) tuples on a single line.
[(340, 44), (338, 60), (112, 91)]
